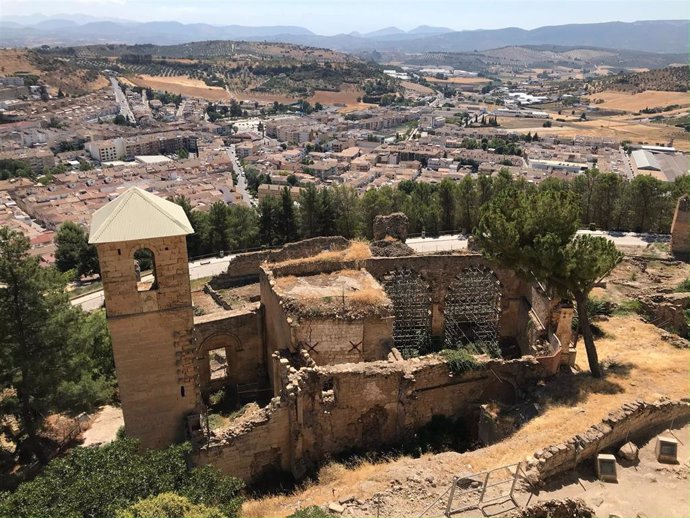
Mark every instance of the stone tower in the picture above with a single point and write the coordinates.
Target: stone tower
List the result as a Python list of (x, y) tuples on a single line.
[(150, 319)]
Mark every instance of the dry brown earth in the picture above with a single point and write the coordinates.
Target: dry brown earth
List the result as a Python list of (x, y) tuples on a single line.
[(616, 100), (181, 85)]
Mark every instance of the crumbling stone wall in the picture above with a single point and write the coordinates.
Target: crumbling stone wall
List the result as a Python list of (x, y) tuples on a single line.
[(244, 268), (680, 229), (329, 339), (332, 341), (321, 411), (667, 310), (518, 296), (631, 420), (254, 447), (240, 334), (393, 225)]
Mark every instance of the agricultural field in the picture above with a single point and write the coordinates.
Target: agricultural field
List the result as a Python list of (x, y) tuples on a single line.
[(266, 71), (182, 85), (348, 96), (460, 80), (616, 100), (617, 127)]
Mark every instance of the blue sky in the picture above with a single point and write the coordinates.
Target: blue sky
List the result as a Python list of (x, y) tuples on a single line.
[(338, 16)]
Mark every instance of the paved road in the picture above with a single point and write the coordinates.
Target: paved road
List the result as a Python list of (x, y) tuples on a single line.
[(122, 101), (197, 270), (437, 244), (620, 239), (241, 178)]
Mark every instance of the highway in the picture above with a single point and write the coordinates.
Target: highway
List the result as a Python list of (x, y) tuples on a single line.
[(217, 265)]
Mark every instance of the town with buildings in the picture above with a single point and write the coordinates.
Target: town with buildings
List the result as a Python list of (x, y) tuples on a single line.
[(350, 285)]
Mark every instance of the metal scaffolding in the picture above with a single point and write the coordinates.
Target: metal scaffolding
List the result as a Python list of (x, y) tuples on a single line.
[(411, 299), (473, 309)]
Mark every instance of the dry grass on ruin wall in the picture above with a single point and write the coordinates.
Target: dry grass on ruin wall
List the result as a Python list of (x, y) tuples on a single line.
[(357, 251)]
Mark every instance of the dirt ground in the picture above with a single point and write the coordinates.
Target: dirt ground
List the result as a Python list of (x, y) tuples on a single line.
[(640, 365), (107, 421), (181, 85), (615, 100), (347, 96), (261, 96), (632, 277), (204, 303), (648, 488), (460, 80), (619, 127), (14, 60), (417, 88), (356, 107)]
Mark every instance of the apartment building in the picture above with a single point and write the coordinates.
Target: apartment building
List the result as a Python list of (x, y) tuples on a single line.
[(129, 147), (37, 159)]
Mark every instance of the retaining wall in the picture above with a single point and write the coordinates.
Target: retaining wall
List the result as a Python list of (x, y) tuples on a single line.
[(631, 420)]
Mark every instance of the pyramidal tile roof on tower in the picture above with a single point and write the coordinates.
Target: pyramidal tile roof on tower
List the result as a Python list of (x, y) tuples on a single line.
[(137, 214)]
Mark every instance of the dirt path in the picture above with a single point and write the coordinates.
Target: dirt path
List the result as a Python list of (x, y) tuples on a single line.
[(104, 428)]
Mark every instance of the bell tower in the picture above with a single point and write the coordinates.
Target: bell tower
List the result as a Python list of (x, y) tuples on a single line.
[(142, 252)]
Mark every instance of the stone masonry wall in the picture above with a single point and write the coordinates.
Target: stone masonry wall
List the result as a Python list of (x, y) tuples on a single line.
[(618, 427), (244, 268), (260, 444), (151, 332), (240, 333), (322, 411), (440, 271)]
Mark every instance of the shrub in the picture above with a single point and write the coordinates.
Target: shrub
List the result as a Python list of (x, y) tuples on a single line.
[(598, 307), (684, 286), (169, 505), (313, 511), (459, 360), (628, 307), (102, 481)]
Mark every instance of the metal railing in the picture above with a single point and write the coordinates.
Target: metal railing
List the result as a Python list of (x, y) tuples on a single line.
[(480, 490)]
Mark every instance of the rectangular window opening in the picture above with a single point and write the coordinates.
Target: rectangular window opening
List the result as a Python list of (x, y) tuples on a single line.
[(218, 363)]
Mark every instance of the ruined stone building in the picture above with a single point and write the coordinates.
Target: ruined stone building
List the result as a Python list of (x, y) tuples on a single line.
[(336, 348)]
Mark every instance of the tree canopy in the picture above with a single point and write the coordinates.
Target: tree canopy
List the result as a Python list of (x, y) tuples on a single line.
[(532, 231), (168, 505), (73, 251), (53, 357), (108, 481)]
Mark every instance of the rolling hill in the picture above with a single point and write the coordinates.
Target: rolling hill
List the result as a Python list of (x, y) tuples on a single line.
[(661, 36)]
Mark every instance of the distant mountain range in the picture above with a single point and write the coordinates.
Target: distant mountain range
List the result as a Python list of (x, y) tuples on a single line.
[(667, 36)]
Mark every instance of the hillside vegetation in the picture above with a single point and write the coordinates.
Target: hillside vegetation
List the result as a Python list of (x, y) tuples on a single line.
[(669, 79), (292, 70)]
